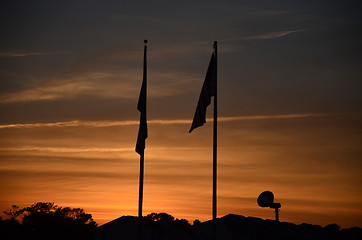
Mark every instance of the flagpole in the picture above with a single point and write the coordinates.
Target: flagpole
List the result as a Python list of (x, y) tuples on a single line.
[(142, 155), (140, 198), (214, 185), (209, 90), (141, 139)]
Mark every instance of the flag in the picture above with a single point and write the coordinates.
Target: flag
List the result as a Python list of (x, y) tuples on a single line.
[(142, 131), (142, 103), (208, 90)]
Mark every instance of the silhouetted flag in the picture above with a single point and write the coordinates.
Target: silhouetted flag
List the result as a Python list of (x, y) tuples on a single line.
[(142, 103), (208, 90)]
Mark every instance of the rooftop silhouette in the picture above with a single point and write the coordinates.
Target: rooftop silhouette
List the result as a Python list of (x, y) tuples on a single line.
[(230, 226)]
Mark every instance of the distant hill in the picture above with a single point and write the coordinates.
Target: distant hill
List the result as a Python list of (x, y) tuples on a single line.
[(231, 226)]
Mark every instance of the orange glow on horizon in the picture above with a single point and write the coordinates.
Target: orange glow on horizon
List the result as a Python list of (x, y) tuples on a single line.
[(98, 170)]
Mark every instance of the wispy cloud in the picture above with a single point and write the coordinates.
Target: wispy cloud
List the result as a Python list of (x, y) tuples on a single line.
[(23, 54), (268, 13), (273, 35), (65, 149), (265, 36), (77, 123), (65, 87), (50, 92), (262, 117), (74, 123), (114, 84)]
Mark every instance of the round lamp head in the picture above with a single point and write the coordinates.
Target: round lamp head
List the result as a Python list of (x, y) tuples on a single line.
[(266, 199)]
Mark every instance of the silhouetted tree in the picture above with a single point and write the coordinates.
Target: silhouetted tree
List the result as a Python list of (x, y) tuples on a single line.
[(49, 221), (160, 216), (14, 213), (332, 227), (11, 229)]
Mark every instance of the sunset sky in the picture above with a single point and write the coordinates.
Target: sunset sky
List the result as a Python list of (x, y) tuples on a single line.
[(290, 107)]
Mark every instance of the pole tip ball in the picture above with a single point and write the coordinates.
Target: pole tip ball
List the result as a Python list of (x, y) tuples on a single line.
[(145, 41), (215, 44)]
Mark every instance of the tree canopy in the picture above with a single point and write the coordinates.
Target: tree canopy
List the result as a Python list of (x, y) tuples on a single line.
[(45, 220)]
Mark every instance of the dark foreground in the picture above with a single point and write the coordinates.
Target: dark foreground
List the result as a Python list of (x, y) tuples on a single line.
[(233, 227)]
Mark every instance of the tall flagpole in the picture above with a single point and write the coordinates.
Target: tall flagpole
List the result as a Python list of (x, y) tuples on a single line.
[(209, 90), (142, 155), (140, 197), (141, 138), (214, 178)]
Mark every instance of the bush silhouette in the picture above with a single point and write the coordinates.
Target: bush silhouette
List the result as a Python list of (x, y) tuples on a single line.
[(47, 221)]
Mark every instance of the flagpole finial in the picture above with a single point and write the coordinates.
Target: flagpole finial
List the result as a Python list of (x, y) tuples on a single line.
[(145, 41)]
